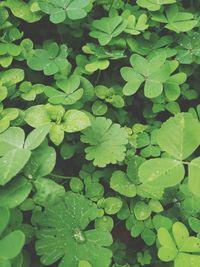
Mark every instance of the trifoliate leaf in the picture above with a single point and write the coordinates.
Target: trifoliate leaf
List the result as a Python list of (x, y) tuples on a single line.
[(106, 28), (60, 10), (51, 59), (62, 234), (107, 142)]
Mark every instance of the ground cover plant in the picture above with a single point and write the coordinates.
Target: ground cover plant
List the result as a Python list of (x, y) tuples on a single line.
[(99, 133)]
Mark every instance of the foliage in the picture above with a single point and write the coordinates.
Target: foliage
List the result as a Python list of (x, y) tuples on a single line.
[(99, 133)]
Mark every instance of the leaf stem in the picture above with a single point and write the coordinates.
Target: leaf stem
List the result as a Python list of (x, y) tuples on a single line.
[(57, 176), (186, 162)]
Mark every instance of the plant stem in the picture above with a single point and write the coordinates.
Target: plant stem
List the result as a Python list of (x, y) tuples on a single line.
[(53, 175)]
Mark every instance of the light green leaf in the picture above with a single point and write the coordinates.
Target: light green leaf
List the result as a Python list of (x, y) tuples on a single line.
[(75, 121), (11, 163), (142, 211), (11, 139), (161, 172), (179, 136), (37, 116), (36, 137), (193, 176), (121, 184)]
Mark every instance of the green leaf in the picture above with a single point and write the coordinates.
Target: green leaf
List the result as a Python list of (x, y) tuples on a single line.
[(106, 28), (59, 10), (17, 239), (75, 121), (193, 176), (36, 137), (142, 211), (112, 205), (179, 136), (12, 163), (121, 184), (23, 10), (11, 139), (15, 192), (168, 251), (47, 191), (107, 142), (42, 162), (162, 172), (84, 264), (77, 244), (37, 116), (4, 219)]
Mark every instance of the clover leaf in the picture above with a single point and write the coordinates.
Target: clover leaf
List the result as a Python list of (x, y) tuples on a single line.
[(175, 20), (7, 53), (107, 142), (29, 12), (15, 151), (154, 5), (7, 115), (50, 60), (57, 119), (70, 94), (29, 92), (180, 247), (135, 28), (188, 50), (153, 72), (63, 234), (60, 10), (107, 28)]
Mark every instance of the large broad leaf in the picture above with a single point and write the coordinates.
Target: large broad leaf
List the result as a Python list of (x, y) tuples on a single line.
[(11, 139), (37, 116), (194, 176), (42, 162), (180, 136), (15, 239), (36, 137), (62, 234), (15, 192), (162, 172), (11, 163)]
